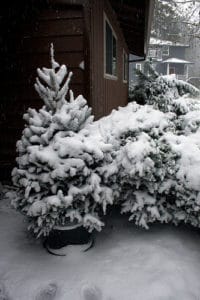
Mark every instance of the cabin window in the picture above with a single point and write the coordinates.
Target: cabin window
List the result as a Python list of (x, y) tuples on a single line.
[(165, 50), (125, 66), (110, 51)]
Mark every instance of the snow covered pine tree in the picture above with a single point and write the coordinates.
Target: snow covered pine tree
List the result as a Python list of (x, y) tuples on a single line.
[(57, 173)]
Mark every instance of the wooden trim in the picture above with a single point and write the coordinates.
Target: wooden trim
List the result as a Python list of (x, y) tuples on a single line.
[(110, 77), (87, 51), (123, 66)]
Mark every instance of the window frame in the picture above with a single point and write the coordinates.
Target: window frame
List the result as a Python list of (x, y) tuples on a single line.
[(107, 75), (155, 53), (136, 68), (165, 50), (138, 64)]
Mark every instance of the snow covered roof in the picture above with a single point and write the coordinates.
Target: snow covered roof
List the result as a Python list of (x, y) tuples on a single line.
[(177, 61), (159, 42)]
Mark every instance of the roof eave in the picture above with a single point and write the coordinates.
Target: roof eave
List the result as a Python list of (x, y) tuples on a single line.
[(136, 27)]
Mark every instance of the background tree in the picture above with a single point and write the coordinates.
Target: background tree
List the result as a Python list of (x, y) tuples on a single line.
[(176, 20), (165, 20)]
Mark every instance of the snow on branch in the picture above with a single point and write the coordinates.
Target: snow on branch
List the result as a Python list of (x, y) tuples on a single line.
[(51, 85)]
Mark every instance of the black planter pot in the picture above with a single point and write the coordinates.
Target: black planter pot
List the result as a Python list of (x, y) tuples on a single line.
[(68, 235)]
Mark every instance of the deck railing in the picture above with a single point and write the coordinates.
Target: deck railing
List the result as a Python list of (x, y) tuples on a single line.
[(181, 77)]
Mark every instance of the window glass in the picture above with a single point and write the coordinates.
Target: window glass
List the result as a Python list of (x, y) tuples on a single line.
[(165, 50), (125, 62), (114, 57), (108, 49), (111, 51), (155, 53)]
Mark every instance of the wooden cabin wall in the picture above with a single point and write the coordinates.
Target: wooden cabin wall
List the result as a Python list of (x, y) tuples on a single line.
[(29, 49), (76, 30), (105, 94)]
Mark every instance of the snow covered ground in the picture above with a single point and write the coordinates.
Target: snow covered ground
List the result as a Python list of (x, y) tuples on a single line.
[(126, 263)]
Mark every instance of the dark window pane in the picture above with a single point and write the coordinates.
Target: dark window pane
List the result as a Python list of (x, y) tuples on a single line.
[(109, 49), (114, 56)]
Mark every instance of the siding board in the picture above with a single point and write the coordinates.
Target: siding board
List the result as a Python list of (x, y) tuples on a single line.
[(42, 44), (53, 28), (54, 14), (27, 78), (78, 35), (33, 61), (106, 94), (63, 28)]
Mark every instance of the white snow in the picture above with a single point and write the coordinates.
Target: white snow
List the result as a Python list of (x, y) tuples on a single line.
[(176, 60), (131, 117), (156, 41), (189, 151), (126, 262), (82, 65)]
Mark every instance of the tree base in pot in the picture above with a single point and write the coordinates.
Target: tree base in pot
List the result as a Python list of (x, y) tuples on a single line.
[(68, 235)]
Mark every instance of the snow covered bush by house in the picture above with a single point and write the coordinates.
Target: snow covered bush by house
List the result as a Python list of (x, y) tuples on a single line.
[(57, 172), (157, 154), (145, 158), (159, 91)]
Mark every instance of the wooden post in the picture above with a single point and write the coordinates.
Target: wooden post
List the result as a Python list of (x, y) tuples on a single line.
[(186, 67), (167, 68)]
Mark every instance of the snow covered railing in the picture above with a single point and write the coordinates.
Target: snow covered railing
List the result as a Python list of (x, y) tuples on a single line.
[(181, 77)]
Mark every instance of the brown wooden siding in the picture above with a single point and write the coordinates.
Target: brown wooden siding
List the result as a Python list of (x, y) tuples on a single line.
[(106, 94), (77, 33), (64, 27)]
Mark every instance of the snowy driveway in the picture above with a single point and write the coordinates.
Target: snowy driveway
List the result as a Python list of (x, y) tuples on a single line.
[(126, 263)]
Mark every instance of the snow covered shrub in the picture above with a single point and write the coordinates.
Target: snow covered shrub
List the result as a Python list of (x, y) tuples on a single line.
[(160, 91), (159, 166), (155, 170), (139, 162), (140, 90), (159, 170), (165, 90), (57, 173), (145, 158), (184, 187)]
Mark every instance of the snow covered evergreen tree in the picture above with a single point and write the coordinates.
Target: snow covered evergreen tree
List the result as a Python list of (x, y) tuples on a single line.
[(57, 173), (165, 90), (140, 91)]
